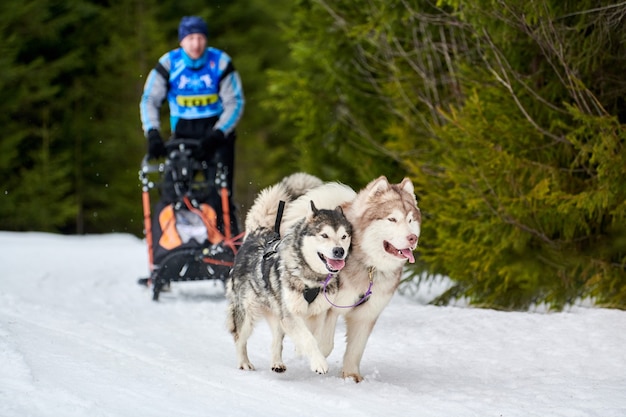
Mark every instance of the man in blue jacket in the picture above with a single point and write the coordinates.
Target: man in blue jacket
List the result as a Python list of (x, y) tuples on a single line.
[(204, 94)]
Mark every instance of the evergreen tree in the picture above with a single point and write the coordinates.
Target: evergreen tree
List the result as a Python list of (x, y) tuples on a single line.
[(36, 164), (330, 98), (537, 204), (509, 129)]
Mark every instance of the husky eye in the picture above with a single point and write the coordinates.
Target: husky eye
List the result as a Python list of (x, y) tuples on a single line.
[(324, 235), (392, 219), (344, 237)]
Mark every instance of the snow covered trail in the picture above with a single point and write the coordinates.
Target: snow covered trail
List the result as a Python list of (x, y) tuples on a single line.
[(79, 337)]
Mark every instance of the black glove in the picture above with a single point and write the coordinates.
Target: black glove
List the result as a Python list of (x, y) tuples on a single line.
[(156, 148), (210, 143)]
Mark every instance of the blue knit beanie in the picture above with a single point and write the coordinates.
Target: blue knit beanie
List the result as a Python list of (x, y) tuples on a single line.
[(192, 24)]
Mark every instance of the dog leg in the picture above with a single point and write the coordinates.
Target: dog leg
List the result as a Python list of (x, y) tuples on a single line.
[(305, 342), (278, 334), (357, 333), (244, 330), (324, 331)]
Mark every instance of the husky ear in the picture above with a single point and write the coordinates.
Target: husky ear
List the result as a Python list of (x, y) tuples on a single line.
[(380, 184), (313, 208), (407, 186), (339, 210)]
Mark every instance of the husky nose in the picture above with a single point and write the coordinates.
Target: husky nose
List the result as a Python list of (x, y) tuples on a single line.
[(338, 252), (412, 238)]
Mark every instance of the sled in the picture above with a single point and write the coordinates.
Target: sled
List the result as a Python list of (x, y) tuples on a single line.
[(191, 231)]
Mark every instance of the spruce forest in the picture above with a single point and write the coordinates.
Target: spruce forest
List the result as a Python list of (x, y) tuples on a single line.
[(508, 116)]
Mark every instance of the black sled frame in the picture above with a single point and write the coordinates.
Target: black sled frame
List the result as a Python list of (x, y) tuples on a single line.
[(176, 180)]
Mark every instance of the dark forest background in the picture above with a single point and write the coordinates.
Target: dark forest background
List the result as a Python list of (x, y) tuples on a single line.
[(508, 116)]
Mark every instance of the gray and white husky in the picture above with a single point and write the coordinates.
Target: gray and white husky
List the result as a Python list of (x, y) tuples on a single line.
[(281, 277), (386, 224)]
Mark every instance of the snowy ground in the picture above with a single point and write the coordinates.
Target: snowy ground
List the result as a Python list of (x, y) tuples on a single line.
[(79, 337)]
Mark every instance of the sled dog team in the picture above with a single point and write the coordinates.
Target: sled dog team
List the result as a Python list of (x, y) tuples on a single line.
[(332, 252)]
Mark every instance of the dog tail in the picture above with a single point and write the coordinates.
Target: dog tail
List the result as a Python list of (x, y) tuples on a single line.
[(265, 208), (231, 315), (299, 183)]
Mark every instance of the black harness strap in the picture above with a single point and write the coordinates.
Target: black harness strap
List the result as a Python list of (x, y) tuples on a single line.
[(279, 216), (310, 294), (271, 247)]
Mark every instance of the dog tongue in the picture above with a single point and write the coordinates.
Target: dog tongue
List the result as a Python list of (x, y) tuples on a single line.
[(336, 264), (408, 253)]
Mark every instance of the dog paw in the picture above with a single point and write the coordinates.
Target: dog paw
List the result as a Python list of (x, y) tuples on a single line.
[(319, 366), (356, 377), (246, 366), (279, 368)]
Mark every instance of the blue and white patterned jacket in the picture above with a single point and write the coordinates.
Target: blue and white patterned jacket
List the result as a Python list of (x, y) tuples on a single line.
[(206, 88)]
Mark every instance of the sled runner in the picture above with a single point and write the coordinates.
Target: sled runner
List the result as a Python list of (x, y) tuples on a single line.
[(191, 231)]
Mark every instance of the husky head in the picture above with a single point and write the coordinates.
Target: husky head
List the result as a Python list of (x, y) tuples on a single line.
[(325, 239), (387, 220)]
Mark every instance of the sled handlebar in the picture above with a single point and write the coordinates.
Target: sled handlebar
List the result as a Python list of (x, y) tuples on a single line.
[(182, 144), (182, 151), (185, 146)]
